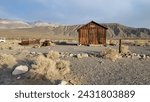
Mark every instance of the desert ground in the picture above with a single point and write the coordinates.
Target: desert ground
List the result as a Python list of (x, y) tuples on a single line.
[(77, 65)]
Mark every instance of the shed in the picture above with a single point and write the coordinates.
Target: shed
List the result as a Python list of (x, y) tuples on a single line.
[(92, 33)]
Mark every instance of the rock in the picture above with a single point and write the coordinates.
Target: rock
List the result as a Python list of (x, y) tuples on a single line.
[(19, 77), (143, 56), (128, 56), (83, 55), (21, 69), (71, 55), (147, 56), (138, 55), (79, 56), (33, 53), (134, 54), (63, 82)]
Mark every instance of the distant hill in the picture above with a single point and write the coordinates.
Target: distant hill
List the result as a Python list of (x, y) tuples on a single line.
[(12, 27)]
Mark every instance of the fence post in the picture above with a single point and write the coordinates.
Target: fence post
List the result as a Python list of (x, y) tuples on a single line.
[(120, 50)]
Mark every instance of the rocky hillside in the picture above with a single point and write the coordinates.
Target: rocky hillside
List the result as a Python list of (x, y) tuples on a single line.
[(114, 30), (118, 30)]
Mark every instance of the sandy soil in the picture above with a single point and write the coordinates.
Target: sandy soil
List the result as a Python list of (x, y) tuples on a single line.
[(90, 70)]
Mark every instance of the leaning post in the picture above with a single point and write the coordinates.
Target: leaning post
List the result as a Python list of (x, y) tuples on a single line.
[(120, 50)]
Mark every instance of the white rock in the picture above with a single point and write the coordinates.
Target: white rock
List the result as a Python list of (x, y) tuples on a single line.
[(144, 56), (20, 70), (71, 55), (63, 82), (147, 56), (84, 55), (19, 77), (79, 56), (33, 53), (134, 54), (138, 55)]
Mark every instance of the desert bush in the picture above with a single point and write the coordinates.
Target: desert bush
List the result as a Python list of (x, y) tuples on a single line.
[(63, 67), (110, 53), (141, 42), (54, 55), (42, 64), (9, 45), (50, 69), (6, 59), (113, 42), (124, 49)]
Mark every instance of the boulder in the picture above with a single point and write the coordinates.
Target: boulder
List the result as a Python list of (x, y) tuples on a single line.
[(21, 69)]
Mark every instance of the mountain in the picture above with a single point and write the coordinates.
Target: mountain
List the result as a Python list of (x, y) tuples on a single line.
[(41, 23), (12, 24), (115, 30), (118, 30)]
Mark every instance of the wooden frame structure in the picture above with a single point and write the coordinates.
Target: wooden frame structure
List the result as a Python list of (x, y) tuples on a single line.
[(92, 33)]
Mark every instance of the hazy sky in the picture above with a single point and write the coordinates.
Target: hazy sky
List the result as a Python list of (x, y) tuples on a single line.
[(134, 13)]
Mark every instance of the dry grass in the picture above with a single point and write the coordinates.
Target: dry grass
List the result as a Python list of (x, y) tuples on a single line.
[(110, 53), (112, 42), (8, 60), (142, 42), (124, 49), (63, 67), (10, 44), (49, 68), (54, 55), (43, 64)]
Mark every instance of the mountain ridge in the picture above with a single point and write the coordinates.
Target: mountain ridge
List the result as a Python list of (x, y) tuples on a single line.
[(115, 30)]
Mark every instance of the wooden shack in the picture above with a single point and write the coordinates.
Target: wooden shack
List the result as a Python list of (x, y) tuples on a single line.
[(92, 33)]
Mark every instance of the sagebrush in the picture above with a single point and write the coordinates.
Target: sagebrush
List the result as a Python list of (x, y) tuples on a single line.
[(7, 60), (49, 68), (54, 55), (124, 49), (110, 53)]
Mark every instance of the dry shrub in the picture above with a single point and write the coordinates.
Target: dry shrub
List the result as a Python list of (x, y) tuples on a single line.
[(42, 64), (9, 44), (110, 53), (53, 55), (141, 42), (124, 49), (49, 68), (63, 67), (8, 60), (113, 42)]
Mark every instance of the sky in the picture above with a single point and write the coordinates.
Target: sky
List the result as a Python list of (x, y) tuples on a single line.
[(134, 13)]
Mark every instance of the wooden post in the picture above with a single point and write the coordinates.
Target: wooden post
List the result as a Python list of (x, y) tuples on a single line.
[(120, 50)]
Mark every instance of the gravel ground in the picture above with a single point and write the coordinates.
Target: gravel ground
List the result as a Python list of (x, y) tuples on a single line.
[(93, 70)]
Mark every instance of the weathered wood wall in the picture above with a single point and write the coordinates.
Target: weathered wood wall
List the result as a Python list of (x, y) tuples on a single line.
[(92, 33)]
